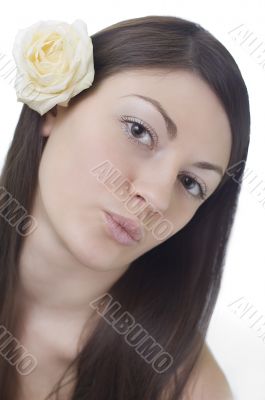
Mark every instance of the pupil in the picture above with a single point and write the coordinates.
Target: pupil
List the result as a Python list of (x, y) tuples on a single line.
[(188, 180), (136, 128)]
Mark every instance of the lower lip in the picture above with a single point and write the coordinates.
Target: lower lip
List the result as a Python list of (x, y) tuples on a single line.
[(117, 232)]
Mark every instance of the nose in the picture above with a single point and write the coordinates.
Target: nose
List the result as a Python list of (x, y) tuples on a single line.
[(156, 185)]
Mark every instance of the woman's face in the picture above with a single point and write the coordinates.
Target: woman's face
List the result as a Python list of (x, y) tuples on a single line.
[(99, 129)]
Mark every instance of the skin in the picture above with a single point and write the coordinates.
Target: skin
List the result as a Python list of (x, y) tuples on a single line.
[(70, 259), (208, 381)]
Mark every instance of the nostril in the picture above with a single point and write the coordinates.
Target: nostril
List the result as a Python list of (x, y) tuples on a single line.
[(142, 199), (137, 201)]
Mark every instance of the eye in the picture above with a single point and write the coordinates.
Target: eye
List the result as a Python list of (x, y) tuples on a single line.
[(140, 129), (191, 181)]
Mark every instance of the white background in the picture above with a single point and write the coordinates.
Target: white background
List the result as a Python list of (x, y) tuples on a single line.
[(236, 345)]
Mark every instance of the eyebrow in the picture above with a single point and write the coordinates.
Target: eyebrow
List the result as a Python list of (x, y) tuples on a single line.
[(172, 131), (209, 166), (170, 124)]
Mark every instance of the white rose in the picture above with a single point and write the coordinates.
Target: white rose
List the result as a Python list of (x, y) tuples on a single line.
[(54, 63)]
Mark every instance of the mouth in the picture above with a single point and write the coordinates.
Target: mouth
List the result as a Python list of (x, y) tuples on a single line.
[(124, 230)]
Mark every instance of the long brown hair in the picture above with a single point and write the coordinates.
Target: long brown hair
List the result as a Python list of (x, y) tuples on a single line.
[(172, 289)]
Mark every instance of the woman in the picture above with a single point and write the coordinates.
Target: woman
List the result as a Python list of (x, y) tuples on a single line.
[(166, 118)]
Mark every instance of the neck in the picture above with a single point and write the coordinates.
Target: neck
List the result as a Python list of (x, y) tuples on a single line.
[(53, 280)]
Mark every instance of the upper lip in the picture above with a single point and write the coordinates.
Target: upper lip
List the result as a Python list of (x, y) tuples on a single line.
[(132, 227)]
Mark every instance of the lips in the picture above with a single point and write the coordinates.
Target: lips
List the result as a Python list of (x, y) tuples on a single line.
[(131, 227)]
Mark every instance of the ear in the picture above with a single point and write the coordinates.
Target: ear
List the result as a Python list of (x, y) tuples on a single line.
[(48, 121)]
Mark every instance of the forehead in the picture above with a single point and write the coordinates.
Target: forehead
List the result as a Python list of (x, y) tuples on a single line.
[(202, 123)]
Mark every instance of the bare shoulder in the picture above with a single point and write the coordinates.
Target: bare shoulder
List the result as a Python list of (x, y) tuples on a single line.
[(208, 381)]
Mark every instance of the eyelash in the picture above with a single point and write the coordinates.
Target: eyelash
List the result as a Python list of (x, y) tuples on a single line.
[(127, 119), (202, 188)]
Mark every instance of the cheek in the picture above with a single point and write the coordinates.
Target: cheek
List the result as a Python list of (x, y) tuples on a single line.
[(181, 212), (111, 150), (66, 181), (173, 221)]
